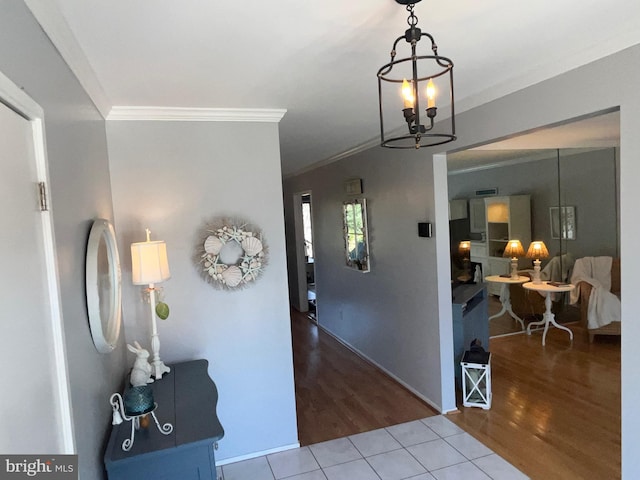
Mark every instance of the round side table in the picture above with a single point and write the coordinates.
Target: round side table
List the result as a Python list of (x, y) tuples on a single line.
[(549, 317), (505, 295)]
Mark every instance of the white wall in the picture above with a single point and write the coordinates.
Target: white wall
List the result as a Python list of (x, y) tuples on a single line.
[(80, 191), (402, 281), (171, 177)]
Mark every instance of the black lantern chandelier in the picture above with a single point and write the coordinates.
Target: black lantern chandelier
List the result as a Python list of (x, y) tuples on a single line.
[(420, 80)]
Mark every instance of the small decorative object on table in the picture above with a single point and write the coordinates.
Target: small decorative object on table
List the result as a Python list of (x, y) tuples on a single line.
[(141, 371), (138, 400), (476, 377)]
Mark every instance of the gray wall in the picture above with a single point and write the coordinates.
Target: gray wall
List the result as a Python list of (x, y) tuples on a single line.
[(567, 96), (587, 181), (389, 314), (80, 191), (172, 177)]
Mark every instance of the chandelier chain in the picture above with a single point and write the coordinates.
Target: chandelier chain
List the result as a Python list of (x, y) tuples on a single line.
[(412, 20)]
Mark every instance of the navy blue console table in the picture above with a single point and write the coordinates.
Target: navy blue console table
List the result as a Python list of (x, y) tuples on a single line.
[(187, 399), (470, 321)]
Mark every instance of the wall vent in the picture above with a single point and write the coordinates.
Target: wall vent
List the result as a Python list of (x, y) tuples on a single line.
[(486, 191)]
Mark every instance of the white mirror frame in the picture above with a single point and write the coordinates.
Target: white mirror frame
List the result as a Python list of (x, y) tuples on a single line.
[(104, 337)]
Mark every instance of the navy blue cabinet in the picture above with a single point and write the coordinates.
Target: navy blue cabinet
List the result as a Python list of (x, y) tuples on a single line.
[(470, 321), (187, 399)]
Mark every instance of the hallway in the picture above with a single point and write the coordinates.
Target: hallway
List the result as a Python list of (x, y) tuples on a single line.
[(338, 393)]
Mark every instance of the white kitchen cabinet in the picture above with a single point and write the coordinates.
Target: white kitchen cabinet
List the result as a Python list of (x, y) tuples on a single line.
[(507, 218), (477, 217), (457, 209)]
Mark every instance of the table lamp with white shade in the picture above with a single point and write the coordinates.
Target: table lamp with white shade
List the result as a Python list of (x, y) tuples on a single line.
[(149, 266), (514, 250), (537, 250)]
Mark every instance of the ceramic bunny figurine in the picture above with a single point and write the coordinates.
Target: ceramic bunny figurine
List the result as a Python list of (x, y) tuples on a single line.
[(141, 371)]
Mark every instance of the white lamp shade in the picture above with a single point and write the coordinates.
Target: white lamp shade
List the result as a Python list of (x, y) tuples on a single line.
[(149, 263)]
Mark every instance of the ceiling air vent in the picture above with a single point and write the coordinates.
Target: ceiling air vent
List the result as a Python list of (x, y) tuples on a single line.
[(486, 191)]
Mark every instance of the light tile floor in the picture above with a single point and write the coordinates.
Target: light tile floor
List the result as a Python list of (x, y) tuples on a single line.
[(433, 448)]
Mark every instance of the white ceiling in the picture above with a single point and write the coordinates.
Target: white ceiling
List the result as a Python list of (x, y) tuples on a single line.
[(318, 60)]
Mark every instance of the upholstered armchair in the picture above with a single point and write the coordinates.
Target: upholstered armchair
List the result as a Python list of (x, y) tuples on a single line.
[(585, 289)]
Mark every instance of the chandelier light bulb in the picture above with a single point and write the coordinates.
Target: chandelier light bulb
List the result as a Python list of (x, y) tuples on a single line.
[(407, 94), (431, 94)]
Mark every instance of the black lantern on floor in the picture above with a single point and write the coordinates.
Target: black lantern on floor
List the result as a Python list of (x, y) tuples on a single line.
[(415, 81)]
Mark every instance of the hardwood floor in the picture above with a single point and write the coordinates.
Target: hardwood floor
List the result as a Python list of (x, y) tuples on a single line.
[(555, 412), (556, 409), (338, 393)]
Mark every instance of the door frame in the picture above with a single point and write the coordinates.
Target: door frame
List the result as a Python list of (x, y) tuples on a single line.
[(17, 100), (301, 267)]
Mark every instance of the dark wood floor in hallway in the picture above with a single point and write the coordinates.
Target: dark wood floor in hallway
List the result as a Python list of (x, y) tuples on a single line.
[(338, 393)]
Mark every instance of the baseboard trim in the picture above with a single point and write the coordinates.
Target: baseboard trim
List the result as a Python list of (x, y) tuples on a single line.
[(366, 358), (249, 456)]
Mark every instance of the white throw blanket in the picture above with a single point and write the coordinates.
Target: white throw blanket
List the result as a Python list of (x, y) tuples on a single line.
[(604, 306)]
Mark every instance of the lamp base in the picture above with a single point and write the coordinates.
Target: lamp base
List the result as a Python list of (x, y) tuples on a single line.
[(514, 268), (157, 366), (159, 369), (536, 272)]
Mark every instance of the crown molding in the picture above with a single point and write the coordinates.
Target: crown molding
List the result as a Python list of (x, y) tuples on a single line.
[(57, 29), (183, 114), (374, 142)]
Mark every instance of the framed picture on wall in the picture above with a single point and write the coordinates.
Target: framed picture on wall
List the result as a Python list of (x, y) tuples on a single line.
[(563, 222)]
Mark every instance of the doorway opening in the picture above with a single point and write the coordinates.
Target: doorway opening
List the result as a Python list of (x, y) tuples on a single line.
[(310, 265), (558, 173), (304, 298)]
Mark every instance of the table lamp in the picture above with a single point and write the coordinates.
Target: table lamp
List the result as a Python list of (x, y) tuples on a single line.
[(514, 250), (149, 265), (464, 249), (537, 250)]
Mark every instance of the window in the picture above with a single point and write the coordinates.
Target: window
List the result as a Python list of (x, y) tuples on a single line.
[(306, 222)]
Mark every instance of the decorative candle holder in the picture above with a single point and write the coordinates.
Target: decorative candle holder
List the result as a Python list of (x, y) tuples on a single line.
[(138, 402), (476, 379)]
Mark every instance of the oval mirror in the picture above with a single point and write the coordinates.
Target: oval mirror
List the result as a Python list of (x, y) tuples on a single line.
[(103, 282)]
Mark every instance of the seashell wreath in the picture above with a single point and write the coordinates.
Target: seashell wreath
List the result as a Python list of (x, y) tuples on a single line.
[(230, 254)]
